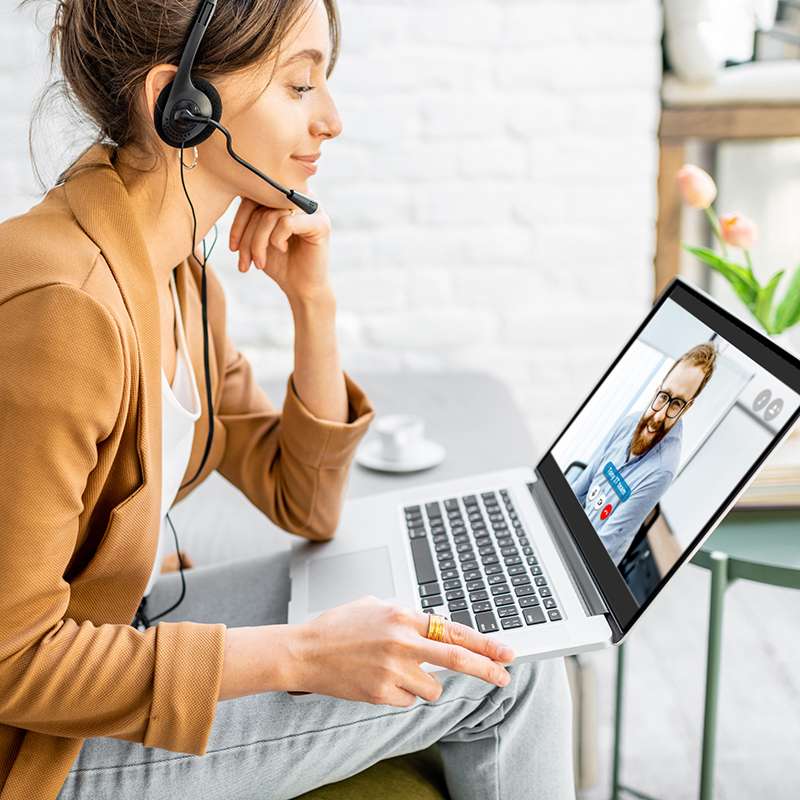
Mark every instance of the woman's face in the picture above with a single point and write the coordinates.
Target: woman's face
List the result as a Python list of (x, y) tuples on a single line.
[(290, 118)]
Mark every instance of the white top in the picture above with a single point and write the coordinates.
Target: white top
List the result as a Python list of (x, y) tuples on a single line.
[(181, 408)]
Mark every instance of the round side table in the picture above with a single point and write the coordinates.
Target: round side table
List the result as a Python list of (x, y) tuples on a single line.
[(761, 546)]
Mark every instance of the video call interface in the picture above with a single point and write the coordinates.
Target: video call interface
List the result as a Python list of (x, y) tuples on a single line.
[(664, 440)]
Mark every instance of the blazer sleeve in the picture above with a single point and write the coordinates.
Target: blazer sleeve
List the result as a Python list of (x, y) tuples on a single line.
[(62, 375), (290, 464)]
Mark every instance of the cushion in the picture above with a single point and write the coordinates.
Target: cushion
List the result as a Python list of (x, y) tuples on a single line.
[(416, 776)]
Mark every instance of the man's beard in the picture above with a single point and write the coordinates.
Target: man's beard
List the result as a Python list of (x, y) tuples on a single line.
[(639, 440)]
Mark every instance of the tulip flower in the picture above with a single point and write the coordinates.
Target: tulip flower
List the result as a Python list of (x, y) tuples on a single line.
[(738, 231), (697, 186)]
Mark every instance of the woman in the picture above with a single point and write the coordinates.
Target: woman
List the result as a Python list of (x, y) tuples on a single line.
[(91, 306)]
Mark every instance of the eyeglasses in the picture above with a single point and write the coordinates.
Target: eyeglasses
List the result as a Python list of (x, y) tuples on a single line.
[(676, 404)]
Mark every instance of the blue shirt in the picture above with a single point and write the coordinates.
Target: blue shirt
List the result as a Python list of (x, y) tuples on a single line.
[(617, 490)]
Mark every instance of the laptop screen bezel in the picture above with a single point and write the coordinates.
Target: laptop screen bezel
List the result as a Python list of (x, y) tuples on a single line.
[(608, 579)]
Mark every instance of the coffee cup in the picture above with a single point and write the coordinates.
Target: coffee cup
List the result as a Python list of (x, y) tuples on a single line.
[(399, 435)]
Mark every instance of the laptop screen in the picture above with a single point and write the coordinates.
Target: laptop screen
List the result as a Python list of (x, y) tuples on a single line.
[(675, 426)]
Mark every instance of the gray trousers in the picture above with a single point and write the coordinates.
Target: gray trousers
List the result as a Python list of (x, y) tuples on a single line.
[(496, 743)]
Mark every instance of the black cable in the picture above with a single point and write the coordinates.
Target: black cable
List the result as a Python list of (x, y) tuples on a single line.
[(141, 618)]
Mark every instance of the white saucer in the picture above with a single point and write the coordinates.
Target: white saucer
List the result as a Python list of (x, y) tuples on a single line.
[(426, 455)]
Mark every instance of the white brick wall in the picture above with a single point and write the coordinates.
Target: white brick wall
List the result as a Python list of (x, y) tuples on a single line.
[(492, 194)]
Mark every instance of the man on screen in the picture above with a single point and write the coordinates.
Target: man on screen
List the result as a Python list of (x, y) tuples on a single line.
[(636, 463)]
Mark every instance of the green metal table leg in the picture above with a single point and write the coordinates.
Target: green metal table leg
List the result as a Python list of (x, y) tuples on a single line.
[(719, 583), (615, 785)]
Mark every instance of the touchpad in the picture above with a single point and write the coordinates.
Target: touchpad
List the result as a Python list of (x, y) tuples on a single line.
[(339, 579)]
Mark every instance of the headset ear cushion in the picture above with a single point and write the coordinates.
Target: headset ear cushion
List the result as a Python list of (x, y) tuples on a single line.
[(216, 110), (204, 130)]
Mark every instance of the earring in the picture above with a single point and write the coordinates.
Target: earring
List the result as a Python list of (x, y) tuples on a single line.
[(194, 163)]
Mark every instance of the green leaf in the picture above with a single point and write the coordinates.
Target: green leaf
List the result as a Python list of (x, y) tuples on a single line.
[(764, 301), (739, 277), (788, 311)]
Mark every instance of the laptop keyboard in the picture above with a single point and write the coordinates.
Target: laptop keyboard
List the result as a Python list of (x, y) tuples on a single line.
[(473, 557)]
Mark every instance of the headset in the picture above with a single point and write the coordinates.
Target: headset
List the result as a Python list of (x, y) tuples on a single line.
[(188, 110)]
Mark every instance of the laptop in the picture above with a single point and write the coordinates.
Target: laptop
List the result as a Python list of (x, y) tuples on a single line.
[(565, 556)]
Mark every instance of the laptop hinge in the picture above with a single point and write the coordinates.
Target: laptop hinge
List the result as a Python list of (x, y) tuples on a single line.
[(582, 579)]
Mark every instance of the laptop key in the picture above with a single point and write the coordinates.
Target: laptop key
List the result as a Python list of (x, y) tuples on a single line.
[(415, 533), (457, 605), (486, 622), (429, 588), (511, 560), (536, 570), (490, 559), (506, 611), (520, 580), (533, 616), (423, 562), (528, 601), (493, 569), (475, 586), (540, 581), (451, 503), (412, 510), (500, 588), (495, 579), (433, 509), (532, 560), (453, 583), (479, 595), (504, 600), (545, 592), (509, 551), (516, 569), (463, 617), (446, 563), (434, 600), (444, 555), (472, 575), (483, 605), (469, 566), (549, 602), (511, 622), (554, 615), (455, 594), (521, 590)]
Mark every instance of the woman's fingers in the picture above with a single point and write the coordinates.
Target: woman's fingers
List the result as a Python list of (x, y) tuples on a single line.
[(243, 214), (464, 650), (423, 684), (246, 241), (261, 238)]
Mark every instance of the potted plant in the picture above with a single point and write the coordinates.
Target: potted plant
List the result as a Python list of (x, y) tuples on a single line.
[(739, 233)]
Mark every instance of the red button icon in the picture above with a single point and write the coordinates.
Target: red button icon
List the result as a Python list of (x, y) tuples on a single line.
[(606, 512)]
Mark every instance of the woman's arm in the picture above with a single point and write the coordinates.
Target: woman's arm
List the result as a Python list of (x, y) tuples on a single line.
[(318, 376)]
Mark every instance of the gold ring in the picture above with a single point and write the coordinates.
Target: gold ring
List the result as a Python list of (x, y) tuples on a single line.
[(435, 627)]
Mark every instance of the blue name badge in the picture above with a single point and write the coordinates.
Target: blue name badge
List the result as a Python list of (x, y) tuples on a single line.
[(617, 482)]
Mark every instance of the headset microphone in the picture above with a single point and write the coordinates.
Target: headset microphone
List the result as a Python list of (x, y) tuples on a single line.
[(188, 110), (306, 203)]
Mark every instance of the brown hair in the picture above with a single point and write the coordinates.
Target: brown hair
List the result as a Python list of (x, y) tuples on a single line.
[(703, 356), (105, 49)]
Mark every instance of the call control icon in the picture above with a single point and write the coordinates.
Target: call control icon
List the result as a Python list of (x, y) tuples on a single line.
[(773, 409), (762, 398)]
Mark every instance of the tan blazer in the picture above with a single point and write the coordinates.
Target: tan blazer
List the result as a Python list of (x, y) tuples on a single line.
[(80, 482)]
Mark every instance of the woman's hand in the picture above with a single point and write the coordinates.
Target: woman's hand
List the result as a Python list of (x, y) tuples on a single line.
[(291, 248), (170, 562), (370, 650)]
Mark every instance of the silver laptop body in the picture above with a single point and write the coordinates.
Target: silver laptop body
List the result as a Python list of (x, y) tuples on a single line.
[(560, 597)]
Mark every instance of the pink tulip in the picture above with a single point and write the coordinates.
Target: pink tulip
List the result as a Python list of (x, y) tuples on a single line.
[(738, 231), (697, 186)]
